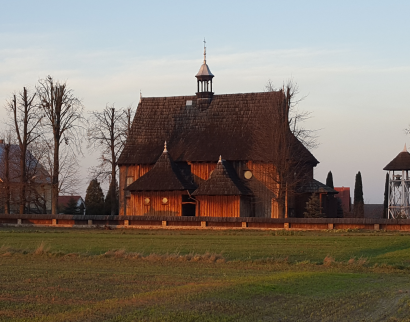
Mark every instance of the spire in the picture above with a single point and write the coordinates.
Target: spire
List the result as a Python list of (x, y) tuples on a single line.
[(165, 147), (140, 96), (405, 148), (204, 51), (220, 159)]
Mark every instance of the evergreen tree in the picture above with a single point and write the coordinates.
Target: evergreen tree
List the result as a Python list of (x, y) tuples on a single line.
[(358, 202), (339, 207), (108, 200), (329, 180), (71, 208), (313, 207), (386, 196), (94, 199)]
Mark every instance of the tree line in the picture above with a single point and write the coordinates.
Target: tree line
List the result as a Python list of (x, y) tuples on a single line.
[(42, 141)]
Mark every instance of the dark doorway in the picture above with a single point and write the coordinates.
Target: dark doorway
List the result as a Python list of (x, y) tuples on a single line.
[(188, 206)]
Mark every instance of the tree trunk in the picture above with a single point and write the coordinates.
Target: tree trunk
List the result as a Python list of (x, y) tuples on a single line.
[(56, 166), (7, 178), (113, 165), (22, 180)]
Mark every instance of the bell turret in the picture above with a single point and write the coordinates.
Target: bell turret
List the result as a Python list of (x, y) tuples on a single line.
[(204, 79)]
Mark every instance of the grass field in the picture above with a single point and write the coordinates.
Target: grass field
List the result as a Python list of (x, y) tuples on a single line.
[(53, 274)]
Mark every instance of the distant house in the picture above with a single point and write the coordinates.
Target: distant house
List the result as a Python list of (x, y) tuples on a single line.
[(71, 205), (185, 178), (38, 181), (344, 197)]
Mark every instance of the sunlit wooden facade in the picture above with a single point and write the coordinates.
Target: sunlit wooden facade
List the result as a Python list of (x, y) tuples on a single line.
[(186, 178)]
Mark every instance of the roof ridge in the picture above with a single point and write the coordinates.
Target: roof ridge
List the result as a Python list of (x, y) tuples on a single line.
[(215, 95)]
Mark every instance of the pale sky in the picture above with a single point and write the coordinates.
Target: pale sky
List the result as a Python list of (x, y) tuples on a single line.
[(349, 58)]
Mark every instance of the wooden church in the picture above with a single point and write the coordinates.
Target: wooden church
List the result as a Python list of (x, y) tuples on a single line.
[(214, 156)]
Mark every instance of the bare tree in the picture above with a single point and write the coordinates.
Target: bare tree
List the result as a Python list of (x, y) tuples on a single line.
[(25, 122), (282, 139), (6, 171), (108, 132), (63, 114)]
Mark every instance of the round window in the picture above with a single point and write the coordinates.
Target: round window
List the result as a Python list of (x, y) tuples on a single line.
[(164, 201), (248, 174), (147, 201)]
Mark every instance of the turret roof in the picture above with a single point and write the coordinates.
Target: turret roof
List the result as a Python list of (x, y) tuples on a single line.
[(222, 181), (400, 162), (164, 176)]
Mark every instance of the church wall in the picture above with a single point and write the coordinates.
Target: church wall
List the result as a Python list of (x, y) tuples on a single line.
[(263, 186), (156, 207), (133, 172), (201, 170), (247, 206), (219, 206)]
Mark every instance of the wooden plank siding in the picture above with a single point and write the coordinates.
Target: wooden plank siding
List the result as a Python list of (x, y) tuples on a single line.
[(156, 207), (135, 171), (201, 170), (263, 203), (219, 206), (263, 186)]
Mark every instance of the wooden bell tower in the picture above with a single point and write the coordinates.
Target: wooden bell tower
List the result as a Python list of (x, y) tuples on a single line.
[(204, 80)]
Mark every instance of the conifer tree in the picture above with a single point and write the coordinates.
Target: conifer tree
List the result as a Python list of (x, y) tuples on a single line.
[(71, 207), (358, 203), (94, 199), (329, 180), (313, 208), (386, 196), (108, 200)]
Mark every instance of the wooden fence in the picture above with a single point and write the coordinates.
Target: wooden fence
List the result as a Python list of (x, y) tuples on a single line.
[(15, 220)]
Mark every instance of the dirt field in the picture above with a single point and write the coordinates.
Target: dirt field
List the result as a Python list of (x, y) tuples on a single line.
[(146, 275)]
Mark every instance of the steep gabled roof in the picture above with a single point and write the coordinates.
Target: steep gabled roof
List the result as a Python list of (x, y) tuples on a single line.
[(229, 125), (223, 182), (400, 162), (164, 176)]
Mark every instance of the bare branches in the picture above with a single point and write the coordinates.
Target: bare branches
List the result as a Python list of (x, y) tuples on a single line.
[(62, 111), (283, 140), (63, 117), (25, 121), (107, 133)]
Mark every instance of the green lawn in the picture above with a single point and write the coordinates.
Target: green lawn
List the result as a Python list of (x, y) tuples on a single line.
[(182, 275)]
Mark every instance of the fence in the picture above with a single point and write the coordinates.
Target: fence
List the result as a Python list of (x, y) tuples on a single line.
[(15, 220)]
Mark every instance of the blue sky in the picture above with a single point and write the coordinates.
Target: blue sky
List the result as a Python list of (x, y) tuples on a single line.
[(349, 58)]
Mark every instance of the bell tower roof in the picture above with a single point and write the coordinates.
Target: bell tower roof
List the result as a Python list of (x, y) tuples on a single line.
[(204, 72), (400, 162)]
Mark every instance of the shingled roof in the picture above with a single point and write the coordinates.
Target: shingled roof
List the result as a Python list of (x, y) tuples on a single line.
[(315, 186), (400, 162), (223, 181), (228, 125), (164, 176)]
